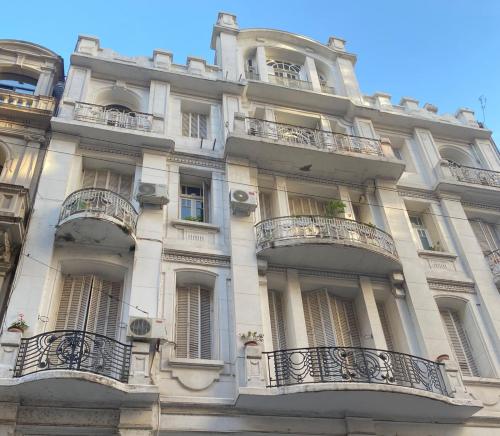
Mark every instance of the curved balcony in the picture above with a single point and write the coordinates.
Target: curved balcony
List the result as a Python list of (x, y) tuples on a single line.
[(74, 350), (330, 243), (349, 381), (98, 217)]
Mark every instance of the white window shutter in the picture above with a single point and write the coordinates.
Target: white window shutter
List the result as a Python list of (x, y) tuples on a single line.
[(89, 178), (185, 124), (459, 342), (486, 235), (194, 323), (104, 310), (277, 320), (203, 125), (385, 325), (125, 189), (319, 323), (346, 329), (73, 302)]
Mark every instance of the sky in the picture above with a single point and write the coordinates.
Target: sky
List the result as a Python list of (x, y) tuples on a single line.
[(445, 52)]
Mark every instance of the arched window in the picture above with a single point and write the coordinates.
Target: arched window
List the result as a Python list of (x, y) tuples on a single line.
[(17, 83), (285, 69)]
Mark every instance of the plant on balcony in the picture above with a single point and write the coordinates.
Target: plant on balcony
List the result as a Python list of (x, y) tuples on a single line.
[(436, 247), (251, 338), (334, 207), (193, 218), (19, 325)]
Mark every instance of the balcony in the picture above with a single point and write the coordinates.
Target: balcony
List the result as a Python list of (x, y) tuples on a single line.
[(289, 82), (473, 184), (13, 211), (35, 109), (326, 243), (493, 259), (347, 381), (97, 217), (329, 154), (74, 350)]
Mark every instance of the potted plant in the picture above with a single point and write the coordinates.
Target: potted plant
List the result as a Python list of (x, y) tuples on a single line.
[(251, 338), (334, 207), (193, 218), (19, 325)]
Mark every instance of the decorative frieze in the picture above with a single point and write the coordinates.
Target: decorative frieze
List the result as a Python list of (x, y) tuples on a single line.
[(452, 286), (185, 159), (196, 258)]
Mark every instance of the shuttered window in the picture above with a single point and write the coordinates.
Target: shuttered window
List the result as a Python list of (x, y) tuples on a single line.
[(385, 325), (421, 232), (486, 235), (92, 299), (106, 179), (306, 206), (459, 342), (330, 321), (277, 320), (194, 323), (194, 125)]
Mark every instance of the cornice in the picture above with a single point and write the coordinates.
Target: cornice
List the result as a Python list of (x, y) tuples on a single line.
[(187, 159), (451, 286)]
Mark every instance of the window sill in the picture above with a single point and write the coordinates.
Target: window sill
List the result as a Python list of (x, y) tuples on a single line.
[(195, 363), (441, 254), (180, 224)]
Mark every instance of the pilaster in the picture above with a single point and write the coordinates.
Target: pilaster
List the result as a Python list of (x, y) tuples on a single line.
[(294, 312), (372, 334), (262, 63)]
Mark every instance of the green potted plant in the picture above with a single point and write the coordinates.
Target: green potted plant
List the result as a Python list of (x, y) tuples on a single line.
[(193, 218), (251, 338), (19, 325), (334, 207)]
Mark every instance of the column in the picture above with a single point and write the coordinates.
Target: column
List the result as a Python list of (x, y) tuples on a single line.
[(371, 332), (427, 323), (26, 168), (262, 63), (294, 312), (470, 251), (350, 82), (429, 153), (45, 81), (280, 197), (158, 105), (312, 73), (148, 249), (33, 287)]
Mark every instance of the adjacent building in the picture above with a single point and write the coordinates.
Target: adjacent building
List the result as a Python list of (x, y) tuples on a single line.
[(253, 247)]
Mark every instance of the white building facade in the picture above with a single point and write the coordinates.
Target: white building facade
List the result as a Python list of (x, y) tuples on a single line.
[(254, 247)]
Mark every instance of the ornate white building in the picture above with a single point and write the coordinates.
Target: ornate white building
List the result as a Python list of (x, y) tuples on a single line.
[(254, 247)]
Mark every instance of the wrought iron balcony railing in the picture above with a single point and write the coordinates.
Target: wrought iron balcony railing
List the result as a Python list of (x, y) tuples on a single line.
[(315, 138), (494, 261), (27, 101), (289, 82), (252, 75), (314, 227), (100, 201), (478, 176), (353, 365), (113, 117), (74, 350)]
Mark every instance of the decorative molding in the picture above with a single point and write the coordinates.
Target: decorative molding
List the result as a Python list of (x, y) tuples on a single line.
[(128, 151), (197, 258), (480, 206), (330, 274), (451, 286), (417, 194), (205, 162)]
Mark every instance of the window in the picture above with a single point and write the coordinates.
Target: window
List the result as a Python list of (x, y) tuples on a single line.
[(265, 205), (459, 342), (88, 300), (192, 202), (421, 232), (194, 125), (284, 69), (193, 323), (107, 179), (277, 320), (306, 206), (18, 83), (486, 235)]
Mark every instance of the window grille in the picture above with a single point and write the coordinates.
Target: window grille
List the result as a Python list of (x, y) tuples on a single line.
[(194, 125)]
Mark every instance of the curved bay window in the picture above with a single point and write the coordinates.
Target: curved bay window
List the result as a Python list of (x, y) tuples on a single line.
[(17, 83)]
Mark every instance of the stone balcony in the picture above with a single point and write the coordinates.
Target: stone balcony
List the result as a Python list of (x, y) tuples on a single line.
[(326, 243), (99, 217), (472, 184), (322, 153), (34, 109)]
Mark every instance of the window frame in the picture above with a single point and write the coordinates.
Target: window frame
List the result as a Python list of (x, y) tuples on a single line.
[(194, 118), (420, 229)]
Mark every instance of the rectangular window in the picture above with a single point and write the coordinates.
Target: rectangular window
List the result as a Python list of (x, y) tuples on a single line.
[(421, 232), (486, 235), (193, 323), (194, 125), (193, 202), (107, 179), (306, 206)]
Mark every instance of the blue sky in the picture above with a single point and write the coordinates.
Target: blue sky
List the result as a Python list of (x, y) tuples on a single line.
[(445, 52)]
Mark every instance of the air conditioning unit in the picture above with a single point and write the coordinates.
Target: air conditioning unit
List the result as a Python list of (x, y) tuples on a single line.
[(243, 202), (147, 328), (152, 193)]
